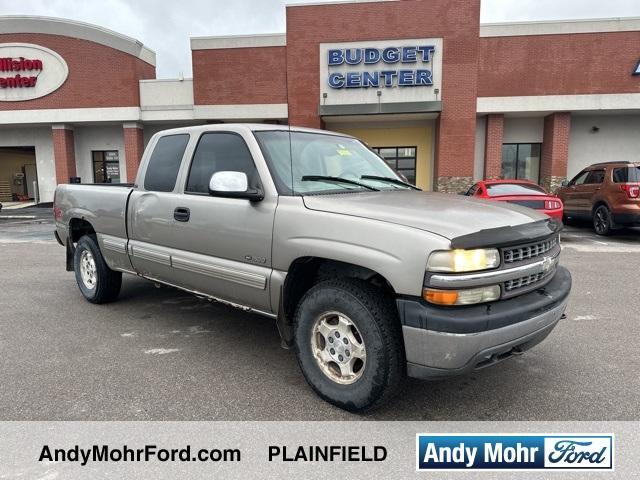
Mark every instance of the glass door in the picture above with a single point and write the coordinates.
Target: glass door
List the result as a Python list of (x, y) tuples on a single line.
[(106, 166), (521, 161)]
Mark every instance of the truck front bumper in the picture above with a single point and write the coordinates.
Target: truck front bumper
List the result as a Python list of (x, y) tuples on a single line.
[(442, 342)]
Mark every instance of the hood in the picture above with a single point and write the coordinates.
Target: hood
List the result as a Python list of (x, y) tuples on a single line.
[(445, 214)]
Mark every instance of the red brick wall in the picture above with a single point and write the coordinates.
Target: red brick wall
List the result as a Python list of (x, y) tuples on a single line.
[(559, 64), (494, 136), (133, 150), (239, 76), (555, 146), (456, 21), (99, 76), (64, 154)]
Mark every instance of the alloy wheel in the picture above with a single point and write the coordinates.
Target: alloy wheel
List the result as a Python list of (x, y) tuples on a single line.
[(338, 348), (88, 270)]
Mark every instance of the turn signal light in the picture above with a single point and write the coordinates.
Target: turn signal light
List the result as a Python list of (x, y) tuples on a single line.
[(440, 297), (469, 296), (632, 191)]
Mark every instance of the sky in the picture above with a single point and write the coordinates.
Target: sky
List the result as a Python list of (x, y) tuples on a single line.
[(165, 26)]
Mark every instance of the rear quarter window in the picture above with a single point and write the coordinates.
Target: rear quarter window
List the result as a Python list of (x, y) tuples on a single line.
[(626, 174), (164, 164)]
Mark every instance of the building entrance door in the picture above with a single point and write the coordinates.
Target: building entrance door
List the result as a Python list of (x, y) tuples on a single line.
[(17, 173)]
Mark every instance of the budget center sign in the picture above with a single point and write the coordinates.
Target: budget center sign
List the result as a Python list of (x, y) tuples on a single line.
[(381, 71)]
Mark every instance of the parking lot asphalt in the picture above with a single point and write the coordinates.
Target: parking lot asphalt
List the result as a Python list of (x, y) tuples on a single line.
[(161, 354)]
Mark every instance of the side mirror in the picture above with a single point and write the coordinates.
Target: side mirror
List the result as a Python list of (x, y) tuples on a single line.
[(564, 183), (233, 185)]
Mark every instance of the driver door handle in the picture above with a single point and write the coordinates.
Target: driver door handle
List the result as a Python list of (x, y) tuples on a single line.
[(181, 214)]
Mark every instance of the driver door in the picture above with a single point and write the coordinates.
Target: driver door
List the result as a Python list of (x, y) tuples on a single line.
[(224, 249), (571, 194)]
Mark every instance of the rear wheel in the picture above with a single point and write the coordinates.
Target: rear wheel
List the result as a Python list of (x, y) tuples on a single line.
[(348, 343), (97, 282), (602, 223)]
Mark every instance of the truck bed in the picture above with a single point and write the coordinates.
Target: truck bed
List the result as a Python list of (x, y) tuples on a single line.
[(102, 205)]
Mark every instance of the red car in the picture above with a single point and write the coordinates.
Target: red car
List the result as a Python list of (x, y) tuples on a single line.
[(520, 192)]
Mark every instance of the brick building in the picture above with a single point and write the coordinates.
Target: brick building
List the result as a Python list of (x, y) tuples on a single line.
[(443, 98)]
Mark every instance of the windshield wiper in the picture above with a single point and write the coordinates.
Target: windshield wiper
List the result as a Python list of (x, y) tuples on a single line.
[(326, 178), (388, 179)]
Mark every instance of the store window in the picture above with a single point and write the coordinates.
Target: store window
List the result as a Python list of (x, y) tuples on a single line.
[(106, 166), (521, 161), (401, 159)]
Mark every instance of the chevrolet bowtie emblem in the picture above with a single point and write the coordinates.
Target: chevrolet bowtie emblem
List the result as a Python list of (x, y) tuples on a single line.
[(547, 264)]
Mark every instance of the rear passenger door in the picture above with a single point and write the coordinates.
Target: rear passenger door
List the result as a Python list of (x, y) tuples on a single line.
[(151, 223)]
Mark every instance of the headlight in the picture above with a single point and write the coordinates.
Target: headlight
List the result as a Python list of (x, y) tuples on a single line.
[(462, 297), (455, 261)]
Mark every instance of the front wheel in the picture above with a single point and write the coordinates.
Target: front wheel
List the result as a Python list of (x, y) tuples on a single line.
[(348, 342), (602, 220), (97, 282)]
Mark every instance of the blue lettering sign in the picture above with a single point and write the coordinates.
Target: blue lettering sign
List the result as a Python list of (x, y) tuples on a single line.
[(354, 80), (405, 77), (388, 76), (372, 55), (427, 52), (370, 79), (390, 55), (336, 80), (409, 55), (424, 77), (353, 56), (336, 57)]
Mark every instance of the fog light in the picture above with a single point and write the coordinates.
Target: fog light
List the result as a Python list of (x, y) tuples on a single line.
[(462, 297)]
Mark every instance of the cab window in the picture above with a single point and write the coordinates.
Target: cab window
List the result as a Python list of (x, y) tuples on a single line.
[(164, 163)]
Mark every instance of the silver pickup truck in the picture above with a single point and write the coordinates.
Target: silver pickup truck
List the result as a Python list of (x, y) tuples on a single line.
[(368, 278)]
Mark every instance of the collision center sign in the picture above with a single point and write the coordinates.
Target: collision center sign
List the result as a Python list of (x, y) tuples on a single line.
[(29, 71), (381, 71)]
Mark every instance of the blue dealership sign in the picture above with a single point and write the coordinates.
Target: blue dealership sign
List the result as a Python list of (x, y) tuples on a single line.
[(407, 66), (444, 452)]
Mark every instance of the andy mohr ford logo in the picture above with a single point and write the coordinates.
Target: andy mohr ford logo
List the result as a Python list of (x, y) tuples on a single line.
[(444, 452)]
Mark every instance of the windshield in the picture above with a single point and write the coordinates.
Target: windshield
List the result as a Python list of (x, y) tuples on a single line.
[(500, 189), (316, 163)]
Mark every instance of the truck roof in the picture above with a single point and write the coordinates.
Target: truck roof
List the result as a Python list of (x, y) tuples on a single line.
[(253, 127)]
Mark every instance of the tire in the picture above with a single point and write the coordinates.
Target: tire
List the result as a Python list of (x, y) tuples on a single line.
[(378, 376), (97, 282), (602, 220)]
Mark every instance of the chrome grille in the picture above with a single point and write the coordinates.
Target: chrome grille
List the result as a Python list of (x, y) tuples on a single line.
[(526, 252), (523, 281)]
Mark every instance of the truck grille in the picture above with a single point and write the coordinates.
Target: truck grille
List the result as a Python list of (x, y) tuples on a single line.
[(527, 252), (521, 282)]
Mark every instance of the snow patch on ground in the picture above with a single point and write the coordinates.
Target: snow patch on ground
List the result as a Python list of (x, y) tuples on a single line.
[(161, 351)]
